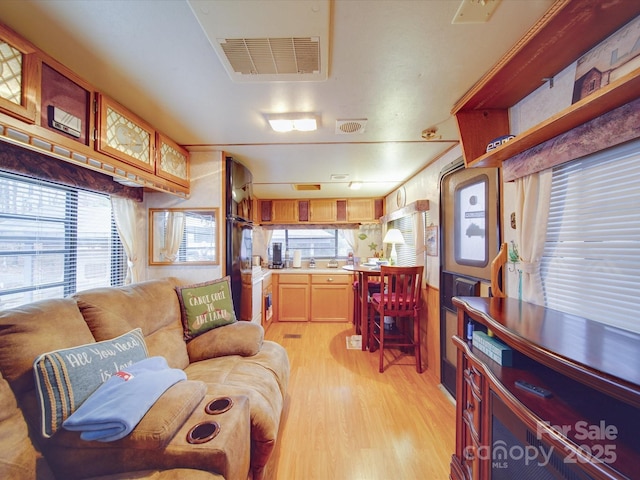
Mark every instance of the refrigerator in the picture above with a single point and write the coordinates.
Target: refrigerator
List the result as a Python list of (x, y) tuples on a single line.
[(239, 236)]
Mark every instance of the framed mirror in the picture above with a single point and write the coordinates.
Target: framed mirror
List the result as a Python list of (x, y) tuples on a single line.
[(184, 236)]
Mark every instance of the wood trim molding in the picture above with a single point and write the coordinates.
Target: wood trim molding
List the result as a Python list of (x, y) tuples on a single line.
[(21, 161), (590, 137), (417, 206)]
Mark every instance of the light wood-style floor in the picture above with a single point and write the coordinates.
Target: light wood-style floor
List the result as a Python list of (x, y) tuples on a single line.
[(345, 421)]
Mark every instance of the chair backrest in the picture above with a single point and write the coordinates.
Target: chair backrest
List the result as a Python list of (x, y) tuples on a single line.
[(401, 294)]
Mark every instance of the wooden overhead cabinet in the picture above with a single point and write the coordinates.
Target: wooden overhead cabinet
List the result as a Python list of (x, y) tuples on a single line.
[(322, 211), (172, 161), (125, 136), (568, 30), (19, 76), (284, 211), (362, 210), (319, 211)]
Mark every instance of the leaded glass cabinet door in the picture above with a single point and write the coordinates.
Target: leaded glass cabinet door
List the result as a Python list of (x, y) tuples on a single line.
[(125, 136), (172, 162), (18, 76)]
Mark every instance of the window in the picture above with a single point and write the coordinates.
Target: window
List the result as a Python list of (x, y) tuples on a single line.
[(471, 242), (313, 243), (55, 241), (592, 251), (407, 250)]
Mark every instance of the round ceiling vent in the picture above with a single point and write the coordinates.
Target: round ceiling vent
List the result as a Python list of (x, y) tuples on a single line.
[(349, 127)]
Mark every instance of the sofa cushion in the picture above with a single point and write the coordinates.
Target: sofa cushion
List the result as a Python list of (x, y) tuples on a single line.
[(29, 330), (240, 338), (152, 305), (173, 474), (17, 455), (205, 306), (263, 378), (66, 378)]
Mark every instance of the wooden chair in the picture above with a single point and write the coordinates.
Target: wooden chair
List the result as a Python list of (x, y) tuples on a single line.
[(399, 298)]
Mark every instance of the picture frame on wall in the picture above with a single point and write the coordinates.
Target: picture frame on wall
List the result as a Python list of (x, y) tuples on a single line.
[(431, 240), (608, 61)]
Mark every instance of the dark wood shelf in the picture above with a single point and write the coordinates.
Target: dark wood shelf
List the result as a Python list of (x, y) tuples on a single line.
[(567, 30), (603, 357)]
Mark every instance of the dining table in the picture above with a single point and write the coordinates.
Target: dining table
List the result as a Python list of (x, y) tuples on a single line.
[(364, 273)]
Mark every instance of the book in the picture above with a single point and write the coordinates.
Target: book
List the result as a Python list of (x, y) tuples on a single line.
[(493, 348)]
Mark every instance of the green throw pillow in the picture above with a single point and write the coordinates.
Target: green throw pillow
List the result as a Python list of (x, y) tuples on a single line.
[(206, 306), (66, 378)]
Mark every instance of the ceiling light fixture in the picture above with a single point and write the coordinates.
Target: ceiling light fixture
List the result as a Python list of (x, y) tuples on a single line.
[(287, 122), (355, 185)]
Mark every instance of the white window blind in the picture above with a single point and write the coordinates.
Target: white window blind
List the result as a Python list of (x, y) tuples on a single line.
[(591, 263), (54, 241), (407, 251)]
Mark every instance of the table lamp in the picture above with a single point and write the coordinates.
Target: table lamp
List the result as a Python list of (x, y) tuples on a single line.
[(393, 236)]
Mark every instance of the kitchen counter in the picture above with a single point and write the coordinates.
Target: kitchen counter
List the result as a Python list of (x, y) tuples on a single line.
[(308, 271)]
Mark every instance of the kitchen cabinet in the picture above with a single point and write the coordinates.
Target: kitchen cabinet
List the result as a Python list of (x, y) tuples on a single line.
[(317, 297), (319, 211), (293, 298), (331, 298), (568, 29), (284, 211), (362, 210), (322, 211), (19, 72)]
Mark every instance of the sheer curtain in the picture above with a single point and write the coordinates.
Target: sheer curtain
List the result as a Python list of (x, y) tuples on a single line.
[(533, 194), (173, 233), (126, 214), (351, 237)]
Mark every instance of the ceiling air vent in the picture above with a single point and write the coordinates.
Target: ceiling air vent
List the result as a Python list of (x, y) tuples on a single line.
[(307, 187), (272, 56), (349, 127), (268, 41)]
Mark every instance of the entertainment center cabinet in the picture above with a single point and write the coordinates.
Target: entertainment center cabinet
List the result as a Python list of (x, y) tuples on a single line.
[(589, 426)]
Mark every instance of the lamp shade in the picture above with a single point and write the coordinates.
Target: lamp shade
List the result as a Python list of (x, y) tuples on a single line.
[(393, 236)]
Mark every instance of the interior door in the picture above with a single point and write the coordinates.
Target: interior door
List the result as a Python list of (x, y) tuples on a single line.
[(470, 212)]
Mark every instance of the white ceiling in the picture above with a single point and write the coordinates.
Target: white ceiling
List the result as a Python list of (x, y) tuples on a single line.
[(400, 64)]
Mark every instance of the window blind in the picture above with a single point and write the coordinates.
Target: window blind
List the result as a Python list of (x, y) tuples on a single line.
[(591, 260), (54, 241), (407, 251)]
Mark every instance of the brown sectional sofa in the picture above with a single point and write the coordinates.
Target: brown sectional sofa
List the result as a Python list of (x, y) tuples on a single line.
[(231, 361)]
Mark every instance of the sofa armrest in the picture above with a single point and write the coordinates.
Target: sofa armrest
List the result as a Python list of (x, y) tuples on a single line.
[(239, 338)]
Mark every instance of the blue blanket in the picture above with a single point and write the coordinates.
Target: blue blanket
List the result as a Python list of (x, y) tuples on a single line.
[(118, 405)]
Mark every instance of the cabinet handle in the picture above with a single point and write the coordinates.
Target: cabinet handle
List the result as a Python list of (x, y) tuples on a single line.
[(330, 279)]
